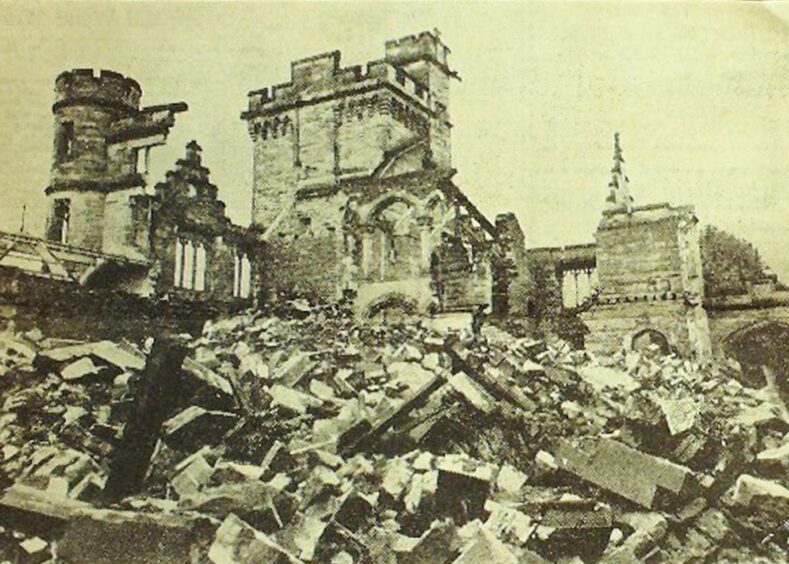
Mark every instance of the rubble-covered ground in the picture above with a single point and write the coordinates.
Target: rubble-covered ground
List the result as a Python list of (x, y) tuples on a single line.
[(307, 437)]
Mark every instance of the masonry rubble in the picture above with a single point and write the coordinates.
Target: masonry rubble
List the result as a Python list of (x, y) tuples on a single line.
[(308, 437)]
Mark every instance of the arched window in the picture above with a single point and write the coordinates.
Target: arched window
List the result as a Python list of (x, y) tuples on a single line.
[(396, 241), (200, 267), (191, 265), (178, 280), (242, 275)]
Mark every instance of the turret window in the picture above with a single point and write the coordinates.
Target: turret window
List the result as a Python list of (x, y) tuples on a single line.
[(64, 141), (60, 220), (142, 159)]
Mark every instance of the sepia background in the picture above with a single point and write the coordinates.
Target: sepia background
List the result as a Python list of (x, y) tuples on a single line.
[(698, 93)]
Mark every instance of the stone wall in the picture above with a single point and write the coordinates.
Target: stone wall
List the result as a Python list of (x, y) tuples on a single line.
[(612, 327), (639, 254), (87, 157), (317, 140), (725, 322), (514, 285), (304, 251), (68, 311), (124, 222), (275, 174), (86, 218), (368, 128), (649, 271)]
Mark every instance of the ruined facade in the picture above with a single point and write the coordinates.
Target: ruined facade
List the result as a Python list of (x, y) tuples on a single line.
[(353, 198), (650, 281), (97, 197), (108, 233), (649, 272), (200, 254), (644, 283), (100, 198), (353, 186)]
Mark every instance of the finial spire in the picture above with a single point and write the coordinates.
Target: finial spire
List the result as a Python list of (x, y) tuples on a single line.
[(619, 197), (618, 158), (193, 151)]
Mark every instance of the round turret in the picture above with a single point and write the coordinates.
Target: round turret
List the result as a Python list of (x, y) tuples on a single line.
[(88, 87), (88, 108), (87, 105)]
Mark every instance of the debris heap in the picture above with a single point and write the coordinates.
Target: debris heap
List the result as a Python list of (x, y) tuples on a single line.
[(308, 437)]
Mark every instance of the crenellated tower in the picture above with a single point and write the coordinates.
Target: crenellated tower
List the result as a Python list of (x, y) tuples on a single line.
[(330, 123), (100, 160), (424, 57)]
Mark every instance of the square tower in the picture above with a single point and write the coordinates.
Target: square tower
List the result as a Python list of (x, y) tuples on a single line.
[(330, 122)]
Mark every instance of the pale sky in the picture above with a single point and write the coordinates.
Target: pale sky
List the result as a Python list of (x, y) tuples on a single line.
[(698, 92)]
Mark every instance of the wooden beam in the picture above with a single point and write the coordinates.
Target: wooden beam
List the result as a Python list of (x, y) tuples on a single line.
[(4, 252), (53, 264)]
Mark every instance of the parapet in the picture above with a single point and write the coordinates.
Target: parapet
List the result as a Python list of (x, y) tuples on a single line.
[(321, 76), (310, 69), (646, 214), (426, 45), (103, 88)]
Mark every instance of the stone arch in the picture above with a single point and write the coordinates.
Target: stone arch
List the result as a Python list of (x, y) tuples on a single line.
[(431, 204), (650, 340), (393, 244), (646, 333), (755, 326), (375, 207), (391, 307), (758, 346)]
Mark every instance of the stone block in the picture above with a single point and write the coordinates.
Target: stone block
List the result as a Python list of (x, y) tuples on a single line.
[(237, 541), (623, 470), (195, 427), (472, 392), (292, 399), (104, 536)]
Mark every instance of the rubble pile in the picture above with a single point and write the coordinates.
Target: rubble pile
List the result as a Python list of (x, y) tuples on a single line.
[(310, 437)]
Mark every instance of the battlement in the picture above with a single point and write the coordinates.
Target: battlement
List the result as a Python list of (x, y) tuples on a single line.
[(315, 67), (326, 78), (104, 87), (645, 214), (426, 45)]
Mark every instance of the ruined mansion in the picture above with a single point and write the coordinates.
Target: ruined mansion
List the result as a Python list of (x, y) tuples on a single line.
[(353, 199)]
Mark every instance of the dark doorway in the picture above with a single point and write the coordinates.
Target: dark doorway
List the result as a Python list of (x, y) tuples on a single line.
[(651, 342), (759, 346)]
